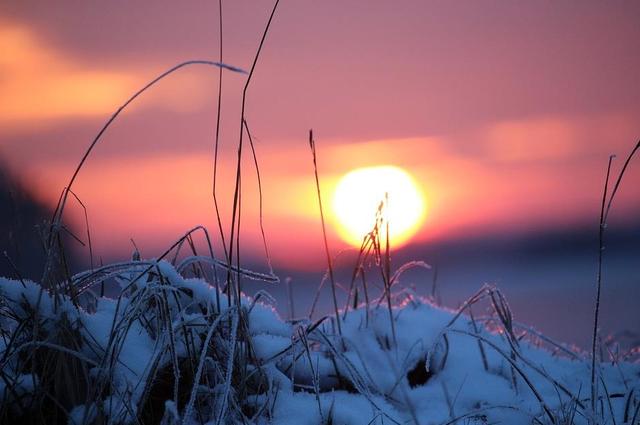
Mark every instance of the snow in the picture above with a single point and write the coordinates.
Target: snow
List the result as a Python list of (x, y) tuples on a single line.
[(426, 366), (24, 384)]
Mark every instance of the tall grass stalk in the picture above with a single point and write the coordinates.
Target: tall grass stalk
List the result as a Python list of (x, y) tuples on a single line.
[(54, 243), (217, 136), (312, 146), (604, 214), (236, 210), (387, 271), (260, 199)]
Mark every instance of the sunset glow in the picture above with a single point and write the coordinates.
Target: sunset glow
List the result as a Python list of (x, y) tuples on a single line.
[(359, 195), (507, 137)]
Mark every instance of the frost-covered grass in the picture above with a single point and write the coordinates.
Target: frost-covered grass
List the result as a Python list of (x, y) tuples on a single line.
[(175, 349), (182, 345)]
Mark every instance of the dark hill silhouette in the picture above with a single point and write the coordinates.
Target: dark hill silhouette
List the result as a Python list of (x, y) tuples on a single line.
[(22, 221)]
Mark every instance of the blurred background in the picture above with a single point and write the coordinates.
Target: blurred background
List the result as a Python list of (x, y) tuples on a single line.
[(504, 113)]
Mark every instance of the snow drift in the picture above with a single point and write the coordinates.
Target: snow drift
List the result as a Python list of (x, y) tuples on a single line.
[(175, 350)]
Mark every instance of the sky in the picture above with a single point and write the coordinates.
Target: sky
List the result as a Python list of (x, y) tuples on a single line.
[(504, 112)]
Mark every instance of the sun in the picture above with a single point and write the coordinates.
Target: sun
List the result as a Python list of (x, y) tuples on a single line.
[(358, 195)]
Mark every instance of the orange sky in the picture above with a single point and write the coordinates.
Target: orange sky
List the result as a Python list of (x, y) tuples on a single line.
[(505, 114)]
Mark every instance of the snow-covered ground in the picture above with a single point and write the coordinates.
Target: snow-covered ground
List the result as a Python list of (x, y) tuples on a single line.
[(177, 350)]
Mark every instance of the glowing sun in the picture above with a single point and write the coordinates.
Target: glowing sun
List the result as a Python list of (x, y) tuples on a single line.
[(359, 194)]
